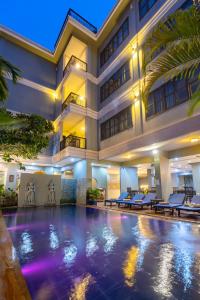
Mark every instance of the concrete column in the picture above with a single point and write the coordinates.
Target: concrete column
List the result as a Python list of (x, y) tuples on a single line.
[(162, 176), (83, 175), (196, 177), (91, 133), (128, 178), (149, 178), (175, 180)]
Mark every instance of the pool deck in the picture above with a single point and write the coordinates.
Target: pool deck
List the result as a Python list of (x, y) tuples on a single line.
[(186, 217), (12, 283)]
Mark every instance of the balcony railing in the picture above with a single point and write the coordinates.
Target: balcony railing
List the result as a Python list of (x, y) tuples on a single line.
[(75, 62), (71, 13), (74, 98), (73, 141)]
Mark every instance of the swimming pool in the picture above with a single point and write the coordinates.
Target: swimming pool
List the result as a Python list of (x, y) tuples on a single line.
[(84, 253)]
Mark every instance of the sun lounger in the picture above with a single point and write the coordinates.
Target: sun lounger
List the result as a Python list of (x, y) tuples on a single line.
[(193, 206), (146, 201), (127, 202), (113, 201), (175, 200)]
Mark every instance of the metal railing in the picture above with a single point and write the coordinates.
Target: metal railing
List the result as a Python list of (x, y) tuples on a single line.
[(74, 98), (73, 141), (75, 62), (71, 13)]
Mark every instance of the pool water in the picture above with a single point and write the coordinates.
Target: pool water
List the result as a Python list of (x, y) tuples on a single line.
[(82, 253)]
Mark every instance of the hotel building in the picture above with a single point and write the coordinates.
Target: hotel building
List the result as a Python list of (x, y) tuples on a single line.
[(90, 87)]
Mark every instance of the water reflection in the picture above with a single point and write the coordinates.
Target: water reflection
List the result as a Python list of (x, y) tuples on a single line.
[(26, 246), (130, 266), (70, 253), (110, 238), (91, 246), (74, 253), (53, 238), (80, 288), (183, 263), (164, 279)]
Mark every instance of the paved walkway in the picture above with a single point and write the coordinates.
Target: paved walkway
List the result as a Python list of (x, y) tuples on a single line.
[(186, 217), (12, 283)]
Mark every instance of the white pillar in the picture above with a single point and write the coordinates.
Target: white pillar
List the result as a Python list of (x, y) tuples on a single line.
[(128, 178), (196, 177), (162, 176)]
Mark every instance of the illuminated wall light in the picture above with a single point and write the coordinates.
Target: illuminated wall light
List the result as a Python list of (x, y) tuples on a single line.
[(134, 52), (194, 140)]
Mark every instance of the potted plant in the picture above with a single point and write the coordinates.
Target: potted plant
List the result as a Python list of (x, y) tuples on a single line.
[(92, 196)]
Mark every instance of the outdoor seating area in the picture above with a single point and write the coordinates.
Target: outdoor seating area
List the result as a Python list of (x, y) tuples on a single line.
[(178, 204)]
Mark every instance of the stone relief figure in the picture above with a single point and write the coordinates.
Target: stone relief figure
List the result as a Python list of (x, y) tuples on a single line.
[(30, 193), (51, 193)]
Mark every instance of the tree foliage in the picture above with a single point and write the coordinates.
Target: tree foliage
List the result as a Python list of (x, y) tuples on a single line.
[(179, 39), (26, 140)]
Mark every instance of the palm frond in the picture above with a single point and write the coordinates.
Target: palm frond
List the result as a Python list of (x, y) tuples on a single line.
[(179, 26), (181, 61), (9, 70)]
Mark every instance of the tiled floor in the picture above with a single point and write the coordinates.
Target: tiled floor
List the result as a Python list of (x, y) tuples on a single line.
[(12, 284)]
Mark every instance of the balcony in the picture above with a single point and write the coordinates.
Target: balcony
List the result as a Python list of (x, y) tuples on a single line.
[(75, 99), (73, 141), (74, 15), (76, 63)]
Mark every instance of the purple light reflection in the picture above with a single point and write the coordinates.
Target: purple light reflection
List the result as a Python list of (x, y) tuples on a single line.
[(27, 226), (39, 266)]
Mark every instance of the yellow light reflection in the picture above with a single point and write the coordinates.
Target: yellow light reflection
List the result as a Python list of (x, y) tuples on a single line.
[(130, 266), (144, 228), (80, 288)]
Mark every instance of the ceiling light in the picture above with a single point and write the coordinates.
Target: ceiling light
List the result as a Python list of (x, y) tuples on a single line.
[(155, 151), (77, 65)]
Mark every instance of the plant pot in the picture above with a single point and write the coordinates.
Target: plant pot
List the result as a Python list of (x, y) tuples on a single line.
[(91, 202)]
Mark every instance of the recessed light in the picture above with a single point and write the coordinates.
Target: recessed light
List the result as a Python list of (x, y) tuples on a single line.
[(155, 151)]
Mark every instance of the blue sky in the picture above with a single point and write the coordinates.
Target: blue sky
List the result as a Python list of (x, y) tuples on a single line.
[(41, 20)]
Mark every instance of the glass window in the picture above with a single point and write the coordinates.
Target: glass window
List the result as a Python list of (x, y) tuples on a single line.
[(115, 42), (145, 6), (159, 100), (117, 124), (169, 95), (116, 81), (181, 91)]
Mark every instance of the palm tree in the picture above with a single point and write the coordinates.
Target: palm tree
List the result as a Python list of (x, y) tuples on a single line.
[(179, 38), (7, 70)]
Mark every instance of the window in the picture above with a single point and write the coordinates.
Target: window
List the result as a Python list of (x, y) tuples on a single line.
[(187, 4), (115, 82), (115, 42), (170, 95), (145, 6), (119, 123)]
